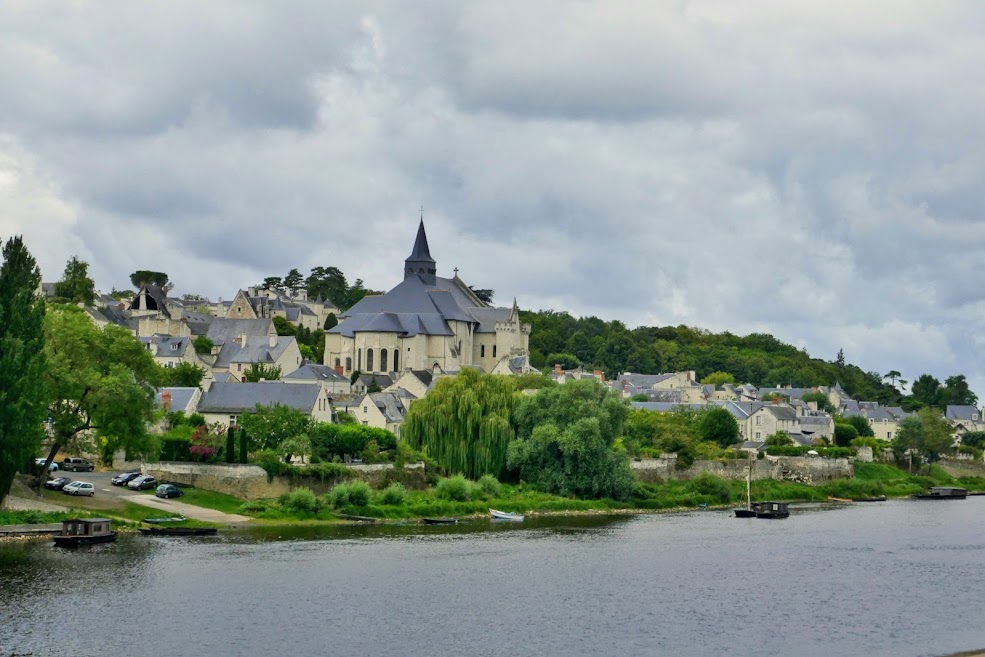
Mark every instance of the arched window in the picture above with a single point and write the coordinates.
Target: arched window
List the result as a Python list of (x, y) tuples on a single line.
[(359, 359), (338, 361), (369, 360), (383, 360), (348, 363), (396, 360), (482, 351)]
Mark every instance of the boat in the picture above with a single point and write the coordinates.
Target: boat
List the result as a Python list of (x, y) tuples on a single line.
[(881, 498), (440, 521), (751, 509), (840, 499), (943, 493), (773, 510), (346, 516), (505, 515), (85, 531), (161, 521), (177, 531)]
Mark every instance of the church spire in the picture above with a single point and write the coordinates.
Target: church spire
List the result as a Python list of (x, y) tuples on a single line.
[(420, 262)]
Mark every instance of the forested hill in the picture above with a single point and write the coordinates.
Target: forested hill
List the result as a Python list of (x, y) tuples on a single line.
[(758, 358)]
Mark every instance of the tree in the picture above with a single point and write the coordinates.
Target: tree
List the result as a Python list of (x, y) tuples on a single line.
[(464, 423), (770, 396), (974, 439), (718, 379), (299, 445), (486, 296), (272, 283), (861, 424), (257, 372), (76, 286), (928, 432), (926, 390), (778, 439), (294, 281), (22, 361), (819, 398), (101, 381), (566, 361), (892, 375), (183, 375), (566, 441), (269, 426), (639, 397), (203, 345), (355, 293), (144, 277), (719, 426), (283, 327), (957, 392), (327, 283), (845, 434), (331, 321)]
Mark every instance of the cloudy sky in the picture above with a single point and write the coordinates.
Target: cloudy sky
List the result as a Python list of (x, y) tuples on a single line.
[(809, 169)]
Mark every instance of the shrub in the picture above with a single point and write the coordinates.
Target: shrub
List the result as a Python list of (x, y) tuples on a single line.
[(394, 495), (708, 484), (356, 493), (302, 500), (490, 486), (457, 489), (253, 508)]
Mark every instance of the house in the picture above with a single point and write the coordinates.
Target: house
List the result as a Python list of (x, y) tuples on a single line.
[(224, 403), (169, 351), (683, 384), (179, 399), (769, 419), (238, 343), (416, 382), (155, 312), (423, 322), (383, 410), (367, 382), (964, 419), (561, 376), (326, 376), (884, 420)]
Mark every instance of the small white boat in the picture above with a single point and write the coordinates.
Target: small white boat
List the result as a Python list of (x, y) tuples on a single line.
[(503, 515)]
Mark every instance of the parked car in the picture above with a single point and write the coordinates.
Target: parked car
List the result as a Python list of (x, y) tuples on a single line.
[(124, 478), (75, 464), (79, 488), (143, 482), (51, 466), (168, 490), (58, 483)]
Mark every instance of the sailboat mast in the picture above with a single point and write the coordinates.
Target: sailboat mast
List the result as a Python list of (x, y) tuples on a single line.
[(749, 485)]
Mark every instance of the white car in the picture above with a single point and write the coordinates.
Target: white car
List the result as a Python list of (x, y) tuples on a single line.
[(51, 468), (79, 488)]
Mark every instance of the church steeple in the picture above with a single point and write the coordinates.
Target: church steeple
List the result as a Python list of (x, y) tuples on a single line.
[(420, 263)]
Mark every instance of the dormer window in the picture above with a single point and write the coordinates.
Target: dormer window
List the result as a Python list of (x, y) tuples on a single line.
[(974, 416), (174, 347)]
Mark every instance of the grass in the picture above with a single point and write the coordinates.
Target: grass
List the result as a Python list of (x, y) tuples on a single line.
[(35, 517)]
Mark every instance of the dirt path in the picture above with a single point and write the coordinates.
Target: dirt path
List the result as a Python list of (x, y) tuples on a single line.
[(188, 510)]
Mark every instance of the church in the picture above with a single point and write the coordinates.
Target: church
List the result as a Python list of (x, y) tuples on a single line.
[(427, 323)]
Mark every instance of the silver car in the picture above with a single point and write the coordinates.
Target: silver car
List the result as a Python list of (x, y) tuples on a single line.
[(79, 488)]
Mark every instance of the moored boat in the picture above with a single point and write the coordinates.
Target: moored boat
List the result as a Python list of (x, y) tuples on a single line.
[(773, 510), (881, 498), (161, 521), (505, 515), (440, 521), (839, 499), (177, 531), (85, 531), (751, 509), (943, 493), (346, 516)]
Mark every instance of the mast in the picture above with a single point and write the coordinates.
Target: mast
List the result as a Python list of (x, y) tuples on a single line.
[(749, 485)]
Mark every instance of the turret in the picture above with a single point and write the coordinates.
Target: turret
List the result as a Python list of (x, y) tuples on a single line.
[(420, 263)]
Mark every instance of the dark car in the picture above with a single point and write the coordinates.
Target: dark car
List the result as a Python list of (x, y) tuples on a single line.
[(168, 490), (124, 478), (58, 483), (143, 482), (75, 464)]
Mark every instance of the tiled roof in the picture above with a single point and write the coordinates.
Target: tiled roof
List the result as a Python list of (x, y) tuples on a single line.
[(242, 397)]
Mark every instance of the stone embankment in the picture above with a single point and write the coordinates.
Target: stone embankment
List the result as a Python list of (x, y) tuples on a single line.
[(803, 469)]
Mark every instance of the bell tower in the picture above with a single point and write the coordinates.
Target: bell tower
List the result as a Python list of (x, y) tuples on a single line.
[(420, 263)]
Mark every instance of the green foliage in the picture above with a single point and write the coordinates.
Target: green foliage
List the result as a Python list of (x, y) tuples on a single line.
[(675, 432), (868, 441), (283, 327), (22, 361), (331, 321), (346, 418), (183, 375), (928, 432), (257, 372), (203, 345), (974, 439), (231, 445), (356, 493), (298, 445), (861, 424), (75, 285), (464, 423), (490, 486), (770, 396), (349, 440), (269, 426), (457, 489), (144, 277), (718, 379), (639, 397), (174, 444), (957, 392), (801, 450), (712, 486), (566, 361), (301, 501), (844, 434), (533, 381), (244, 446), (393, 495), (778, 439), (294, 281), (719, 426), (819, 398), (927, 390)]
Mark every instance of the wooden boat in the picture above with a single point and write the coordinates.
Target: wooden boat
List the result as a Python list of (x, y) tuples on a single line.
[(85, 531), (943, 493), (751, 509), (505, 515), (346, 516), (839, 499), (773, 510), (881, 498), (440, 521), (161, 521), (177, 531)]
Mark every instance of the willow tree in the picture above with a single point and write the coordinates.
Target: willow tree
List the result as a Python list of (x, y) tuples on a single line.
[(464, 423)]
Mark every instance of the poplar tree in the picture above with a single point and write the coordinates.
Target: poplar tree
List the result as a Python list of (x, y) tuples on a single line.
[(22, 361)]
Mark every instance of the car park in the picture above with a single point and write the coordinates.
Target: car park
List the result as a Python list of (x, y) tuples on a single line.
[(79, 488), (143, 482), (57, 483), (168, 490), (51, 466), (124, 478), (75, 464)]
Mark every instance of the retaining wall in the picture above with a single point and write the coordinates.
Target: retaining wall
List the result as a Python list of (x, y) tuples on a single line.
[(804, 469)]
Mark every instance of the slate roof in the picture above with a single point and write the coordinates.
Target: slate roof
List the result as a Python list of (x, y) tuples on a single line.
[(168, 346), (390, 405), (312, 372), (665, 407), (243, 397), (222, 330), (257, 350), (157, 295), (382, 380), (198, 323), (181, 398), (963, 413), (782, 412)]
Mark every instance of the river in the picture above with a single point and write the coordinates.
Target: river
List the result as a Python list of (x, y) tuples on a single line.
[(899, 578)]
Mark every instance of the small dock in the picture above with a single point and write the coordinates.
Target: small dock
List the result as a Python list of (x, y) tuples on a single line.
[(31, 530)]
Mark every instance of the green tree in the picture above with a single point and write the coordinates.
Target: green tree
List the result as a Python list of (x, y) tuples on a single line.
[(75, 285), (927, 390), (257, 372), (778, 439), (272, 283), (331, 321), (269, 426), (566, 361), (294, 281), (101, 381), (464, 423), (927, 432), (770, 396), (183, 375), (566, 439), (299, 445), (203, 345), (718, 379), (486, 296), (719, 426), (892, 375), (845, 434), (22, 361), (328, 283), (861, 424), (639, 397), (819, 398), (974, 439), (283, 327), (144, 277), (533, 381), (957, 392)]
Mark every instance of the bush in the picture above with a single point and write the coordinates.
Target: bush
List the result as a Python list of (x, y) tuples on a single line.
[(712, 486), (302, 501), (490, 486), (253, 508), (456, 489), (394, 495), (356, 493)]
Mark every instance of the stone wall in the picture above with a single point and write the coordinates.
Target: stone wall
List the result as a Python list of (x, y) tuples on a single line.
[(808, 470), (250, 482)]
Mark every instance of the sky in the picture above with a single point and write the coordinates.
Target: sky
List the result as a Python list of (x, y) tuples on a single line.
[(813, 170)]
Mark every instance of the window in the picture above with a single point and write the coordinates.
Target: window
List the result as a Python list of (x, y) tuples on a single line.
[(759, 421), (889, 435), (239, 367), (383, 360), (482, 351), (338, 362), (348, 363), (359, 359), (365, 422), (232, 420), (365, 409), (369, 360), (494, 351), (174, 346), (758, 435), (396, 360)]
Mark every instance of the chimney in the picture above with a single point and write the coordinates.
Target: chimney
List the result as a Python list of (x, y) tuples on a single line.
[(166, 400), (273, 341), (776, 401), (242, 340), (625, 385), (557, 368), (340, 370), (599, 374)]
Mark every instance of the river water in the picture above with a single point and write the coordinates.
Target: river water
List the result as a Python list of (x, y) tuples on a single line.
[(896, 578)]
